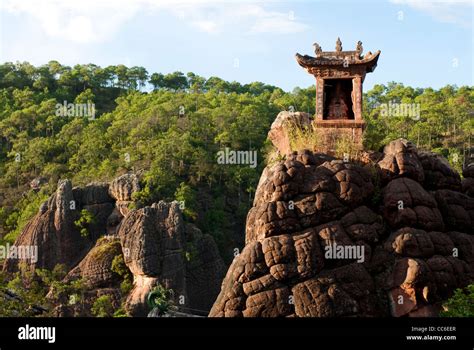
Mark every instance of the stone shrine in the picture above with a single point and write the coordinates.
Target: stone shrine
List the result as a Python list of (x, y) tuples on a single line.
[(339, 76)]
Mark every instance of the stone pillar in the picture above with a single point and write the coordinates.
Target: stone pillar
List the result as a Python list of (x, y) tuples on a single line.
[(319, 98), (357, 97)]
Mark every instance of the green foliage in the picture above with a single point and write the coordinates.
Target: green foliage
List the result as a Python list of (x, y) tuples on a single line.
[(103, 307), (126, 285), (121, 269), (444, 119), (303, 138), (3, 220), (31, 287), (84, 221), (346, 148), (461, 304), (190, 252), (22, 213), (29, 292), (187, 196), (120, 312)]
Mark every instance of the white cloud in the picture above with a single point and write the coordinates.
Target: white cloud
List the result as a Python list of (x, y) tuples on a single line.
[(216, 17), (81, 21), (448, 11), (206, 26), (275, 22), (92, 21)]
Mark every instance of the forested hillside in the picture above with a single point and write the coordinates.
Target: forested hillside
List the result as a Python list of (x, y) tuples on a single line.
[(169, 128)]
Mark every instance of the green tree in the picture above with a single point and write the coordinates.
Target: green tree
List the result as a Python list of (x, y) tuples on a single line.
[(461, 304), (175, 81), (103, 307), (84, 221), (157, 80)]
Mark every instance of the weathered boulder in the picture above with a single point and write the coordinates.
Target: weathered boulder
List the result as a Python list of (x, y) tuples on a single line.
[(345, 291), (411, 278), (272, 275), (468, 170), (113, 222), (157, 251), (406, 203), (319, 244), (122, 189), (152, 246), (96, 267), (464, 244), (303, 191), (400, 160), (362, 224), (438, 173), (468, 186), (53, 231), (205, 269), (410, 242), (97, 276), (457, 210), (280, 133), (93, 193)]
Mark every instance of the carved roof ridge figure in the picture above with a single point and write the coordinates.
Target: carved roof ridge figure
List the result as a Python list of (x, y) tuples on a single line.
[(359, 48), (339, 57), (317, 49), (338, 45)]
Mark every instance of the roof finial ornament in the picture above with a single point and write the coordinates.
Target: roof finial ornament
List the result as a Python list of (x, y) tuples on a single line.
[(338, 45), (359, 48), (317, 49)]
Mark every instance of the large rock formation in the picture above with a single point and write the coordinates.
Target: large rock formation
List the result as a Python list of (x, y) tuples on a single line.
[(285, 122), (400, 159), (152, 240), (122, 189), (96, 267), (99, 279), (53, 231), (331, 238), (205, 269), (158, 247)]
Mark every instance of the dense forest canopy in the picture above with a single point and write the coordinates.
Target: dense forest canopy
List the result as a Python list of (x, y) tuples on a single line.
[(170, 127)]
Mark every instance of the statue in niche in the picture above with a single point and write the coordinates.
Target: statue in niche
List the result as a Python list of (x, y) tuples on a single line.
[(337, 107)]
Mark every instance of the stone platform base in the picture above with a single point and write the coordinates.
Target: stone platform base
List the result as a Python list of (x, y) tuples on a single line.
[(337, 135)]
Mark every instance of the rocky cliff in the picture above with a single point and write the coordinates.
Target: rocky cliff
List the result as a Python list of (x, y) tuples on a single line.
[(391, 235), (157, 246), (53, 231)]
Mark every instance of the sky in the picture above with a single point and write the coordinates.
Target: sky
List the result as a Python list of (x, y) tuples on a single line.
[(424, 43)]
